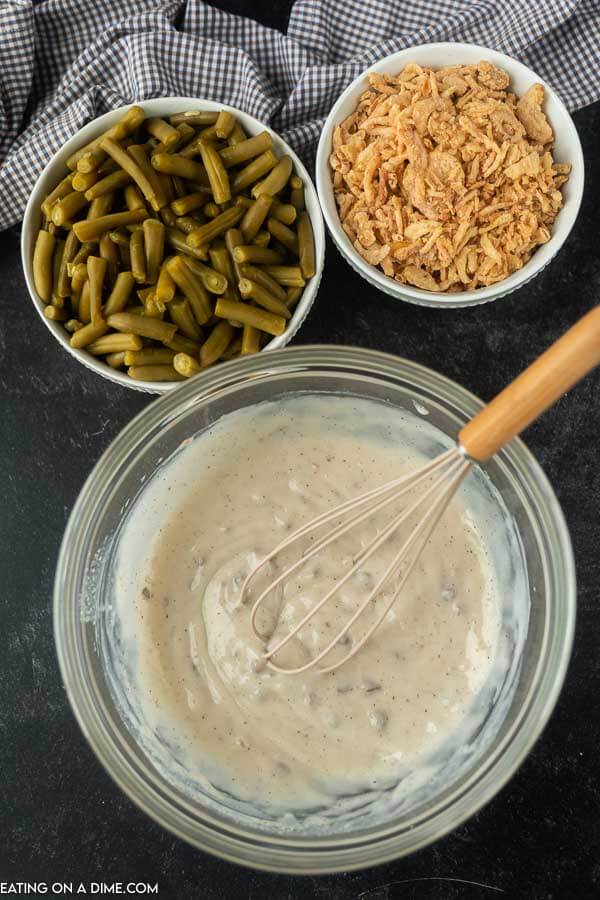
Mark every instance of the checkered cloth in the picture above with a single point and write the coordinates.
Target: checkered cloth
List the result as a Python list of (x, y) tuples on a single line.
[(63, 62)]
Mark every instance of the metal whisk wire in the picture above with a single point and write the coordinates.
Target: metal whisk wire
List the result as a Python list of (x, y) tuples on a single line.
[(453, 466)]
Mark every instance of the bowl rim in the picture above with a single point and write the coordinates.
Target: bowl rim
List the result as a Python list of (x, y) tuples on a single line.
[(276, 853), (96, 126), (544, 253)]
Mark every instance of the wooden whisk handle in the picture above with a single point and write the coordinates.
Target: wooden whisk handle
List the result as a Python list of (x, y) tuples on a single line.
[(564, 363)]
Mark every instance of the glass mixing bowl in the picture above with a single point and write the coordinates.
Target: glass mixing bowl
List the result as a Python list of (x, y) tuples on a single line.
[(81, 606)]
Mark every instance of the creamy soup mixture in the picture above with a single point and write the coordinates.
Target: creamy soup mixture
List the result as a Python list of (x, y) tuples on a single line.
[(196, 672)]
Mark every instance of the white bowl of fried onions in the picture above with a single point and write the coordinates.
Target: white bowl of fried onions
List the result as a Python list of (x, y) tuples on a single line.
[(449, 174)]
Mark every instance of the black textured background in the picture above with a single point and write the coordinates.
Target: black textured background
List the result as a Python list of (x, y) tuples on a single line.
[(61, 817)]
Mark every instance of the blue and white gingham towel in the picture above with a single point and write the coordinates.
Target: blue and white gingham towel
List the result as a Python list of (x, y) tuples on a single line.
[(63, 62)]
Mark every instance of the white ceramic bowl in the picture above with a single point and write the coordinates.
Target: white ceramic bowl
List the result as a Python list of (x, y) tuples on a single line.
[(567, 148), (56, 169)]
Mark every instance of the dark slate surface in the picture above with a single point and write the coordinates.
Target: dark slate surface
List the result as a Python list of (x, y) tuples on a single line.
[(61, 816)]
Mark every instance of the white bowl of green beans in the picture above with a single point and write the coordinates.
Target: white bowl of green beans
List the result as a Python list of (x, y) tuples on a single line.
[(170, 235)]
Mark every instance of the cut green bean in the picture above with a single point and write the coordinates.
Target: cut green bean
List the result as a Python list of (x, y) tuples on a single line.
[(250, 315), (206, 233), (56, 313), (283, 234), (186, 224), (181, 314), (182, 344), (138, 256), (59, 248), (91, 230), (115, 343), (175, 164), (115, 360), (120, 294), (88, 334), (154, 246), (276, 180), (154, 373), (213, 281), (186, 365), (216, 344), (161, 130), (250, 340), (236, 135), (224, 124), (253, 171), (258, 274), (184, 205), (100, 207), (73, 325), (165, 286), (128, 123), (151, 356), (233, 349), (131, 166), (71, 247), (42, 264), (255, 216), (191, 287), (178, 242), (195, 117), (140, 325), (288, 276), (113, 182), (306, 246), (64, 210), (61, 190), (262, 239), (284, 212), (109, 251), (250, 290), (296, 193), (83, 182), (248, 253), (96, 267), (221, 262), (293, 294), (241, 152), (234, 238)]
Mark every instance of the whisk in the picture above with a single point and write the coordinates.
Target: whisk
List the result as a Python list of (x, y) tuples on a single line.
[(567, 361)]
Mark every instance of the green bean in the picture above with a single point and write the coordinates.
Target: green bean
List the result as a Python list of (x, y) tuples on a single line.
[(186, 224), (284, 212), (56, 314), (250, 340), (42, 264), (80, 257), (234, 238), (213, 281), (296, 193), (182, 344), (250, 290), (243, 201), (224, 124), (79, 277), (154, 373), (64, 210), (84, 312), (61, 190), (232, 350), (88, 334), (237, 135), (83, 182), (184, 205), (211, 210), (262, 239), (276, 180), (191, 287), (293, 294), (71, 247), (283, 234), (178, 242), (151, 356), (89, 230), (149, 328), (131, 120), (179, 186), (167, 186), (175, 164), (112, 182), (186, 365), (248, 253), (288, 276), (153, 309), (108, 250), (115, 343), (255, 216), (207, 233), (162, 131), (119, 296), (100, 207), (216, 344), (222, 262), (127, 161), (247, 149), (96, 267), (306, 246), (260, 276), (73, 325), (120, 238), (250, 315), (253, 171), (133, 197), (138, 256), (115, 360), (195, 117), (154, 246), (59, 247), (165, 286), (168, 217)]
